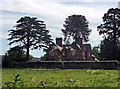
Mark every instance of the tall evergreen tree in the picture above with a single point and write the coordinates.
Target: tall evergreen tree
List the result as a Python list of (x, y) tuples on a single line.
[(106, 50), (30, 33), (111, 25), (76, 26), (111, 29)]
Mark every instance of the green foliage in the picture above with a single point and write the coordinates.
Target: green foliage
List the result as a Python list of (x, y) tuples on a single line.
[(14, 55), (76, 26), (17, 83), (42, 58), (111, 34), (41, 84), (75, 65), (118, 51), (55, 77), (30, 33), (77, 61), (96, 51), (111, 25), (107, 52)]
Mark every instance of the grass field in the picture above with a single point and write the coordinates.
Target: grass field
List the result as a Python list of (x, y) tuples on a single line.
[(57, 77)]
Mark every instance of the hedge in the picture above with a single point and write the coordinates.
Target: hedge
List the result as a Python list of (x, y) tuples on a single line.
[(71, 64)]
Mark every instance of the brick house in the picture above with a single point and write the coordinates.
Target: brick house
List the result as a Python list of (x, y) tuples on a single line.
[(75, 51)]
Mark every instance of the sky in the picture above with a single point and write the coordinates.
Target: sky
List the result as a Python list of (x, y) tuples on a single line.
[(53, 13)]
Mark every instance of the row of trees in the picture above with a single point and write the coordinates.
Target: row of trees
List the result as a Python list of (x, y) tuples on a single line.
[(31, 33)]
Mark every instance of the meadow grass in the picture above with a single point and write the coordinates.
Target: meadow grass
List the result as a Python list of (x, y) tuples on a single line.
[(56, 77)]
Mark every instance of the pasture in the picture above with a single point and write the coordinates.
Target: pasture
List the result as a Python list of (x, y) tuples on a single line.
[(34, 77)]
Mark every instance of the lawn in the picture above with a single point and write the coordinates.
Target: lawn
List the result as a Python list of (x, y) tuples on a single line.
[(62, 77)]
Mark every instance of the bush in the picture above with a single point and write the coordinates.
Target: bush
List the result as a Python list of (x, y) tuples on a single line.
[(13, 56), (17, 83)]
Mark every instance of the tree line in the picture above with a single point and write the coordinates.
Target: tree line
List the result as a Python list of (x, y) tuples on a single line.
[(31, 33)]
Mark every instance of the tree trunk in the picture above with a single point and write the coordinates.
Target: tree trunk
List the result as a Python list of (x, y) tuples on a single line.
[(27, 54), (115, 43)]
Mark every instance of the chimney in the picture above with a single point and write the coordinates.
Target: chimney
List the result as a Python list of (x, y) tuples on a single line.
[(59, 41), (79, 41)]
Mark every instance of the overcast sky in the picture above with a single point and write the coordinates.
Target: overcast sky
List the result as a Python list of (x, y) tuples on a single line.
[(53, 13)]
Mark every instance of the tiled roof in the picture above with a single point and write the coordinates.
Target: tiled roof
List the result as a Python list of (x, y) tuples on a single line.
[(81, 47), (59, 47)]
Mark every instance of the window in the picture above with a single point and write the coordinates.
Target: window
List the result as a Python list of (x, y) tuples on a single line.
[(77, 57), (73, 53), (84, 47), (83, 54), (89, 54)]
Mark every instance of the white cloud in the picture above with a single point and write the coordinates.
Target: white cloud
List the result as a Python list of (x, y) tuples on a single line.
[(55, 33), (3, 35), (8, 22), (54, 13), (62, 0), (95, 38)]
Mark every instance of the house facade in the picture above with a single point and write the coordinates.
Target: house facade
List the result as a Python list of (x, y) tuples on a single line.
[(77, 51)]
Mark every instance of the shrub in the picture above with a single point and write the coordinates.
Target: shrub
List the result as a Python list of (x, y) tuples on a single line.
[(17, 83), (13, 56)]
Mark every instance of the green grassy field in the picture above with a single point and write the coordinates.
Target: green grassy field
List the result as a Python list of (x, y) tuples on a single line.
[(56, 77)]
